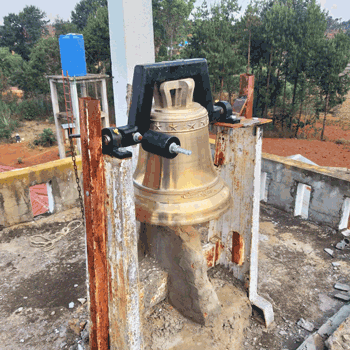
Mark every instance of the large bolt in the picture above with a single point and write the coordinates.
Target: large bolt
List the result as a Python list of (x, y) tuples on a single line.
[(174, 148), (137, 137)]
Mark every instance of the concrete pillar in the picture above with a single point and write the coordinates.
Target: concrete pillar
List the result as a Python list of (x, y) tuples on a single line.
[(56, 110), (132, 43)]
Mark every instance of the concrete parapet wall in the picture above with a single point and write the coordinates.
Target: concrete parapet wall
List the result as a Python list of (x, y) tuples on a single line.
[(329, 188), (15, 203)]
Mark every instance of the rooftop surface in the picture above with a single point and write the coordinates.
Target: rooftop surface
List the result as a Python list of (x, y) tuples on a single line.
[(295, 274)]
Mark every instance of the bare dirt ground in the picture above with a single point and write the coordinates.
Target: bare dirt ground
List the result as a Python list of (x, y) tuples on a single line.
[(295, 275), (29, 131), (334, 152)]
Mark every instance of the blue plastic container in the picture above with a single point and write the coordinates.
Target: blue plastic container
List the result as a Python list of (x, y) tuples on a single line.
[(73, 55)]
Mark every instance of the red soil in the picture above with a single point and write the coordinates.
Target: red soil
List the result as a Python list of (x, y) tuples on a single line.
[(10, 153), (322, 153)]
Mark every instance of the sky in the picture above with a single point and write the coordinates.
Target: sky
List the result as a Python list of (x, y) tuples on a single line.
[(63, 8)]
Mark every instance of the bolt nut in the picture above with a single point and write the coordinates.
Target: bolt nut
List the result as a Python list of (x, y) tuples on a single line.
[(106, 139)]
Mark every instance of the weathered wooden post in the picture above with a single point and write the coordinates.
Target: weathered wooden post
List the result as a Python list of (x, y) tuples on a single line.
[(111, 240)]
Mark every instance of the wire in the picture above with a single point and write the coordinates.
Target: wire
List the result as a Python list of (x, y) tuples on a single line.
[(48, 241)]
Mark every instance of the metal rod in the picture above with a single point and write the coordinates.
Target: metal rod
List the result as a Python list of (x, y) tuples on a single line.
[(174, 148), (74, 136)]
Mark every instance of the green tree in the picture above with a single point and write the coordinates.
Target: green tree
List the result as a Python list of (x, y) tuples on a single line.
[(10, 64), (171, 25), (213, 38), (83, 10), (63, 27), (44, 60), (96, 38), (21, 32)]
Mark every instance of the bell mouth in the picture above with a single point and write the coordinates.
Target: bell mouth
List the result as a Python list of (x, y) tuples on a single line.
[(183, 211)]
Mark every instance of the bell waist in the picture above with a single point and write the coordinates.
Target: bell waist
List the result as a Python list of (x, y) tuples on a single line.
[(199, 192)]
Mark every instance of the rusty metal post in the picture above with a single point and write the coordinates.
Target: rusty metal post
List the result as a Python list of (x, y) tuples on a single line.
[(124, 303), (246, 88), (95, 220)]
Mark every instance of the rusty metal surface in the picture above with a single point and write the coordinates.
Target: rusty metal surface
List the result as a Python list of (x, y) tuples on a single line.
[(246, 88), (123, 269), (245, 123), (239, 104), (95, 221), (212, 251)]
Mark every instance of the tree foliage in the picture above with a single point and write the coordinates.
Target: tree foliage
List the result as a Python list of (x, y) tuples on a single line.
[(63, 27), (213, 38), (83, 10), (21, 32), (44, 60), (171, 25), (10, 64), (96, 38)]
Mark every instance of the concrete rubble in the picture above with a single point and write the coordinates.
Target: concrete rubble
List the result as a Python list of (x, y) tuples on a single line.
[(329, 251), (335, 333), (306, 325), (342, 286), (295, 274)]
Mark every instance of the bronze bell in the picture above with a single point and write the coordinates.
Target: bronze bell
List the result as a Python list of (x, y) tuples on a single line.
[(185, 190)]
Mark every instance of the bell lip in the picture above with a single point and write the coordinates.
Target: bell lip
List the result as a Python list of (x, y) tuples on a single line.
[(163, 218)]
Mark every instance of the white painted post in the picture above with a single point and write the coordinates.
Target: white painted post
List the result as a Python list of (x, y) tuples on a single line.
[(83, 89), (263, 187), (302, 201), (105, 102), (131, 41), (122, 256), (345, 219), (75, 106), (56, 110)]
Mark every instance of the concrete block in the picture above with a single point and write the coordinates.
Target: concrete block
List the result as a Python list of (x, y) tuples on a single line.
[(306, 325), (342, 296), (342, 286)]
